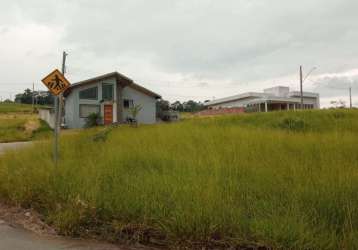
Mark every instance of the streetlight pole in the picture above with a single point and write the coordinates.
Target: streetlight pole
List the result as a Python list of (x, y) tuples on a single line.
[(302, 81)]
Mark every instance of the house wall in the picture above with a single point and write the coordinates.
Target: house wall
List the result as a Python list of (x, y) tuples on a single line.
[(72, 103), (148, 113), (72, 111)]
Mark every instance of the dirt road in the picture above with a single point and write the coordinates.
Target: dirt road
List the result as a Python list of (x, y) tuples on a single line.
[(20, 239), (12, 145)]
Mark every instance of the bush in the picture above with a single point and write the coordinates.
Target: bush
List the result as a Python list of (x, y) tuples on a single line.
[(292, 124), (93, 120)]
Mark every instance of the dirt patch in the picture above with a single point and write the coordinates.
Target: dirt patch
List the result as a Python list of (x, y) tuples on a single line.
[(26, 218), (31, 126)]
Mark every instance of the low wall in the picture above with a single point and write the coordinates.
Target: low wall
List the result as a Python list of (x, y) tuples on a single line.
[(222, 111), (48, 115)]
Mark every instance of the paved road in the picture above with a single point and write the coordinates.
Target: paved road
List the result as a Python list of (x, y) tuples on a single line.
[(13, 238), (12, 145)]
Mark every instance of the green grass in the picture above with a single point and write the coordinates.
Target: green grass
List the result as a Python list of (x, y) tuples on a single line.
[(19, 123), (22, 127), (281, 180), (15, 107)]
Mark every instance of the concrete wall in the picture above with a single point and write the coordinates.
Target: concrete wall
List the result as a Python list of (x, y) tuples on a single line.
[(148, 113), (48, 115), (277, 91)]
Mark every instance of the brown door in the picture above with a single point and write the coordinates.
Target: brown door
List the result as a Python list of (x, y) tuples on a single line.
[(108, 114)]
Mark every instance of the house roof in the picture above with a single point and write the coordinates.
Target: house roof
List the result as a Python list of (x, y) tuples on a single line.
[(128, 82)]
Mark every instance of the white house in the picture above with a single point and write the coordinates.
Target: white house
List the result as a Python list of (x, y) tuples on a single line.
[(276, 98), (112, 96)]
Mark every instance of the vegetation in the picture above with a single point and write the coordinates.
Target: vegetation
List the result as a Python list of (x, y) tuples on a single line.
[(40, 97), (7, 107), (18, 123), (285, 180), (22, 127), (188, 106), (93, 120)]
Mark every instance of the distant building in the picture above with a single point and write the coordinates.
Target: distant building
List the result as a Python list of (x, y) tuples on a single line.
[(111, 96), (272, 99)]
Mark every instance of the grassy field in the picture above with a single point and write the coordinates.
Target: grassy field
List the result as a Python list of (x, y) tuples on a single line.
[(284, 180), (19, 123), (15, 108)]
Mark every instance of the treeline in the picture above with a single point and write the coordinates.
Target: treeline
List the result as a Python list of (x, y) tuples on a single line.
[(187, 106), (40, 97)]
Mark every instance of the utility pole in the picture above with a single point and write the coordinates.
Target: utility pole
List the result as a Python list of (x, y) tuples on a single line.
[(33, 96), (58, 114), (350, 97), (301, 87)]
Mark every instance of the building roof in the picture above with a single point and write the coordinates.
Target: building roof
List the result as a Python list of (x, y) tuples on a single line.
[(234, 98), (290, 97), (129, 82)]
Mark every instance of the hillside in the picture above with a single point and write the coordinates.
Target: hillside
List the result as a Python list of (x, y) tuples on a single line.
[(285, 180), (19, 123)]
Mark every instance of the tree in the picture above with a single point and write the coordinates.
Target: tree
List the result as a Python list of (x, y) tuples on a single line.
[(41, 97), (177, 106), (162, 105), (8, 101), (193, 106)]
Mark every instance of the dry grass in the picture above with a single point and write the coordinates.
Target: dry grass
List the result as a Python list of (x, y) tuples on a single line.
[(283, 180)]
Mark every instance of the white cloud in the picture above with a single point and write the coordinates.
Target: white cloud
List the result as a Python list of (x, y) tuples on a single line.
[(174, 47)]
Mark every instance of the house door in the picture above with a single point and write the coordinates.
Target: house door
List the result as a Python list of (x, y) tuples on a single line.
[(108, 114)]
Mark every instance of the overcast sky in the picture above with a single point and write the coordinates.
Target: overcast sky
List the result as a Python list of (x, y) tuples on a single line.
[(184, 49)]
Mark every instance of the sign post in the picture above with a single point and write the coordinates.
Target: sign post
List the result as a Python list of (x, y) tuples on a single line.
[(57, 84)]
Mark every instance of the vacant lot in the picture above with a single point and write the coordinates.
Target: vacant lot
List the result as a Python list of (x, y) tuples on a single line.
[(15, 107), (18, 123), (282, 180)]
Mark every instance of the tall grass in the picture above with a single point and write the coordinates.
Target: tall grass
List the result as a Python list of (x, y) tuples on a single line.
[(21, 127), (15, 107), (235, 180)]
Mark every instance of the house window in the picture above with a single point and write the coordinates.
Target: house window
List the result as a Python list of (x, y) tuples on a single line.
[(107, 92), (89, 94), (127, 103), (87, 109)]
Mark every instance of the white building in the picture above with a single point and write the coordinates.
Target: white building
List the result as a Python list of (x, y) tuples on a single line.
[(276, 98), (112, 96)]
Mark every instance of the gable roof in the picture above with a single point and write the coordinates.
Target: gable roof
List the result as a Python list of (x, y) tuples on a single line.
[(128, 82)]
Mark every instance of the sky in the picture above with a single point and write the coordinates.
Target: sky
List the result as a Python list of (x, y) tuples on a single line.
[(188, 49)]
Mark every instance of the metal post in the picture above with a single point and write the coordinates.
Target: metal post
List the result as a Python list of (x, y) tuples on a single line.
[(33, 97), (58, 115), (266, 109), (350, 97), (55, 148), (301, 87)]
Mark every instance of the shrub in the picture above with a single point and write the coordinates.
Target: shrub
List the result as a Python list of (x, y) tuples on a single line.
[(94, 119), (292, 124)]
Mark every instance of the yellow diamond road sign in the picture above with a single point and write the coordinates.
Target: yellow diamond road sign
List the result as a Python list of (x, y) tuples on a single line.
[(56, 82)]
